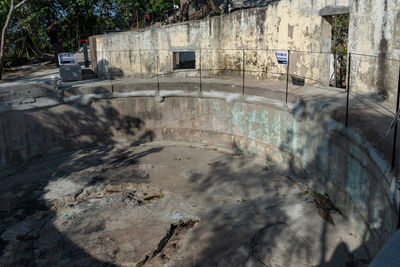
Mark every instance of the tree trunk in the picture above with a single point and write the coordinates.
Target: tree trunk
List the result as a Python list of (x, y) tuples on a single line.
[(137, 19), (213, 6), (173, 11), (4, 33), (199, 14)]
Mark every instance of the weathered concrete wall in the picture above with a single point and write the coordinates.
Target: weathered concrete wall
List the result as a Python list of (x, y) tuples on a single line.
[(352, 172), (375, 30), (282, 25), (296, 25)]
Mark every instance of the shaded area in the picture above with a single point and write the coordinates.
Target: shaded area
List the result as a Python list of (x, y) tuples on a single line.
[(240, 193), (228, 210), (22, 205)]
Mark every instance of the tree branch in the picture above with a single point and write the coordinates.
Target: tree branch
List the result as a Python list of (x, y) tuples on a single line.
[(20, 4), (4, 33)]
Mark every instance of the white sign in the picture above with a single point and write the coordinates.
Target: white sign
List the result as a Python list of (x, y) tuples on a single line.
[(282, 57), (67, 58)]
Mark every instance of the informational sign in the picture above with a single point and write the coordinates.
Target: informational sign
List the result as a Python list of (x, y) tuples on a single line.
[(67, 58), (282, 57)]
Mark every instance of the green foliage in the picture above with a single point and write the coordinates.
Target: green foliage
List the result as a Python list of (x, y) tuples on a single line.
[(340, 31), (76, 19)]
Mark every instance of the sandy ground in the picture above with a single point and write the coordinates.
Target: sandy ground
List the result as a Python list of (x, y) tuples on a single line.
[(167, 204)]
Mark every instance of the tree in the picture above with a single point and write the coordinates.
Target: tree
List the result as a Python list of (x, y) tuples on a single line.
[(4, 32), (25, 35), (340, 32), (213, 6)]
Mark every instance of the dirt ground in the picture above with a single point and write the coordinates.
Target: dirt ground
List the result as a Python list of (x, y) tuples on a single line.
[(167, 204)]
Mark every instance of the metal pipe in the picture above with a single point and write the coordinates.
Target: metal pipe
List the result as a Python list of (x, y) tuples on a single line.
[(200, 70), (287, 76), (395, 126), (395, 142), (243, 72), (348, 91), (111, 74), (335, 68), (158, 72)]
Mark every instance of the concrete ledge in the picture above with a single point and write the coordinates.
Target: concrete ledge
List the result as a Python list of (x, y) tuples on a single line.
[(84, 90), (334, 10)]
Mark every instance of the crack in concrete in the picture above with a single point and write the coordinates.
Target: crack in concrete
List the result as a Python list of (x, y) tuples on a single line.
[(169, 243)]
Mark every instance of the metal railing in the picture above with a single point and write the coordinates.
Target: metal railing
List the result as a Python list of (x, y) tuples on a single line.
[(256, 72)]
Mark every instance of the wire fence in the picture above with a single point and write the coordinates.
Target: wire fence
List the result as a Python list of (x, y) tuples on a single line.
[(247, 67), (257, 72)]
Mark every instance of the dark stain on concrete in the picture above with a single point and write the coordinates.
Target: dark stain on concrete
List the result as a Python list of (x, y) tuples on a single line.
[(382, 69), (188, 32), (260, 21), (290, 31), (381, 82)]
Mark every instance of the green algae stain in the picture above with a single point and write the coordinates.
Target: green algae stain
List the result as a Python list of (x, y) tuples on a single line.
[(238, 119)]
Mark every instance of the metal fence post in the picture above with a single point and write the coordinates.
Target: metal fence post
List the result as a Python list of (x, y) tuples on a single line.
[(243, 71), (348, 91), (335, 68), (395, 126), (395, 141), (110, 70), (200, 69), (287, 76), (158, 71)]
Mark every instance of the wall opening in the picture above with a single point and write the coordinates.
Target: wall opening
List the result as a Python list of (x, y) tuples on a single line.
[(184, 60), (339, 41)]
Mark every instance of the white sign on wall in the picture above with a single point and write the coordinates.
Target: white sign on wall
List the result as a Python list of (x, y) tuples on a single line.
[(67, 58), (282, 57)]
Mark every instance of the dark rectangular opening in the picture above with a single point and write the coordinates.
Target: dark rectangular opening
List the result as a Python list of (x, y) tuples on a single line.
[(299, 81), (184, 60)]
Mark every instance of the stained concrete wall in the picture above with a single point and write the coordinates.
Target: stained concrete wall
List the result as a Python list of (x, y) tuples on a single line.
[(314, 146), (282, 25), (374, 35), (375, 30)]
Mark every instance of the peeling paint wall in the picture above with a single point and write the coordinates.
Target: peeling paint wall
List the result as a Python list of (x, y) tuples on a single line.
[(282, 25), (375, 30)]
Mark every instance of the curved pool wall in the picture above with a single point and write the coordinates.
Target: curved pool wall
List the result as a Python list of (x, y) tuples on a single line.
[(300, 139)]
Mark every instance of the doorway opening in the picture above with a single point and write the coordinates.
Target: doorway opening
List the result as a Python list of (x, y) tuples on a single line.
[(339, 41)]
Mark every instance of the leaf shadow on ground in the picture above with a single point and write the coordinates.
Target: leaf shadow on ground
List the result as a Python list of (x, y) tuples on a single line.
[(24, 214), (252, 223), (257, 219)]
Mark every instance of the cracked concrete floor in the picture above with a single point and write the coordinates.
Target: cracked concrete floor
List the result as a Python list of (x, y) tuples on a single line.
[(165, 204)]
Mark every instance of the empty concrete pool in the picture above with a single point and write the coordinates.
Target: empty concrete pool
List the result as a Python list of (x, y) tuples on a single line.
[(165, 178)]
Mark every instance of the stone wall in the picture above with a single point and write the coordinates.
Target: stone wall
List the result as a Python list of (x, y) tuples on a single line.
[(282, 25), (374, 34)]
